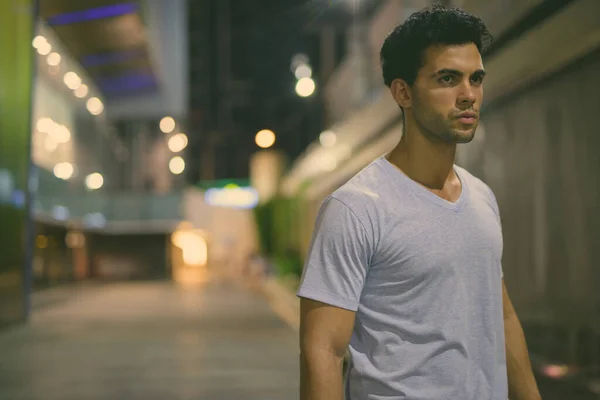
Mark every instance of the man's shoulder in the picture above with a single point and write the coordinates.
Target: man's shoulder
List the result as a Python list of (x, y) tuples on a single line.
[(363, 189)]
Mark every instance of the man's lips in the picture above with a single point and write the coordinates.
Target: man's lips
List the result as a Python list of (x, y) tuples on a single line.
[(467, 117)]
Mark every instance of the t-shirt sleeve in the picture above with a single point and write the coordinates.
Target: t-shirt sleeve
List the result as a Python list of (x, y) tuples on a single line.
[(497, 212), (338, 258)]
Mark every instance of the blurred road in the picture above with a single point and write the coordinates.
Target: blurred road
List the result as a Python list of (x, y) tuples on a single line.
[(151, 341)]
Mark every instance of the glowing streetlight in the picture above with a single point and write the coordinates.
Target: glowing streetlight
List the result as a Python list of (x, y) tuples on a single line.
[(94, 181), (305, 87), (94, 106), (45, 125), (177, 142), (303, 71), (39, 41), (53, 59), (60, 133), (327, 138), (176, 165), (42, 46), (167, 124), (265, 138), (64, 170), (72, 80), (81, 91)]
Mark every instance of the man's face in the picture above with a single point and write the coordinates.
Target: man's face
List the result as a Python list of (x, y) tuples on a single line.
[(447, 94)]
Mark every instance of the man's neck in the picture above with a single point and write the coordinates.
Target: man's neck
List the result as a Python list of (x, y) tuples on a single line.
[(426, 162)]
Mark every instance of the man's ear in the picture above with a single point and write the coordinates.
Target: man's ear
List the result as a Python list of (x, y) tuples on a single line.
[(401, 93)]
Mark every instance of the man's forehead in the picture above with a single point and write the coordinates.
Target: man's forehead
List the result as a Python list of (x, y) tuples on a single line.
[(465, 58)]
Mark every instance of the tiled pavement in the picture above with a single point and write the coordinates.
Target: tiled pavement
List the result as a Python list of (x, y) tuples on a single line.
[(151, 341)]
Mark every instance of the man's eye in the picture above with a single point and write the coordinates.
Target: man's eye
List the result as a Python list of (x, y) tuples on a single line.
[(477, 80), (446, 79)]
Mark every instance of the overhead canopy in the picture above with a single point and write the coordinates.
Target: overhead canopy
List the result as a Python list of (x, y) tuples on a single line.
[(107, 37)]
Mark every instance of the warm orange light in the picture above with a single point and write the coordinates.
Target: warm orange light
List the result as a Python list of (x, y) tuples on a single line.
[(193, 246), (177, 142), (265, 138), (305, 87), (167, 124)]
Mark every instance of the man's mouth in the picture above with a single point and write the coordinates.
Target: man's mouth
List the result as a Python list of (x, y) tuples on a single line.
[(467, 117)]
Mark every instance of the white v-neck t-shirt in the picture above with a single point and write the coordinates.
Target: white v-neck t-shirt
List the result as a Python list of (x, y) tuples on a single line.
[(424, 277)]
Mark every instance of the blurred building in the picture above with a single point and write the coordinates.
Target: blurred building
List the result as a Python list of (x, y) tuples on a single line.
[(97, 94)]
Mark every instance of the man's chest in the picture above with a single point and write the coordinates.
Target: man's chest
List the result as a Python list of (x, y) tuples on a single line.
[(419, 246)]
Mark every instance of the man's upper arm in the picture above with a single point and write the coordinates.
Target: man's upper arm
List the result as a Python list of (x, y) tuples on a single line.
[(333, 278), (324, 328), (338, 258)]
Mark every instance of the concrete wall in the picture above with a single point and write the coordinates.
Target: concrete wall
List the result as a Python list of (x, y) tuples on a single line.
[(498, 15), (539, 153)]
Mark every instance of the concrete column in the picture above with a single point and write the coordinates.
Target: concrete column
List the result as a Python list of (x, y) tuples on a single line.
[(266, 170)]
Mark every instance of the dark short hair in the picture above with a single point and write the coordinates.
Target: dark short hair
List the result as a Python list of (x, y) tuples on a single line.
[(403, 49)]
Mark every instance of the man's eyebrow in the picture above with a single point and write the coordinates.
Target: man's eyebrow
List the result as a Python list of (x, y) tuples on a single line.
[(450, 71), (447, 71)]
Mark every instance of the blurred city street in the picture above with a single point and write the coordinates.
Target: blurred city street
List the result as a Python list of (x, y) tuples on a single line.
[(163, 167), (153, 342)]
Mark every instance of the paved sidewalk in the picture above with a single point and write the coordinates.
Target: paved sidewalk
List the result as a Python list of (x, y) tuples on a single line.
[(151, 341)]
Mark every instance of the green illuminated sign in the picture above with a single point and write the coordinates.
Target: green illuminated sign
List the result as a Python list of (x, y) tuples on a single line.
[(223, 183)]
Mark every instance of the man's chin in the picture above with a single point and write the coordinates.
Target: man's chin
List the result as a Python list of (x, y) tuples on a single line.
[(460, 139), (464, 136)]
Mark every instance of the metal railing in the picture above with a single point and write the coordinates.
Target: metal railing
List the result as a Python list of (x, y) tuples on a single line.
[(69, 201)]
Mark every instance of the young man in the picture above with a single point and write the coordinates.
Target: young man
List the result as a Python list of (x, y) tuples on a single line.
[(404, 269)]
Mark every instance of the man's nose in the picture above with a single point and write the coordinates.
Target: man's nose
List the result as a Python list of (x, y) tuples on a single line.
[(467, 96)]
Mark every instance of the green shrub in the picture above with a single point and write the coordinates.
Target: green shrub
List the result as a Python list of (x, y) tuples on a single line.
[(275, 224)]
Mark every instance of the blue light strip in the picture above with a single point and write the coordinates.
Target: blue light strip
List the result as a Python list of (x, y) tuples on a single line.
[(91, 14), (101, 59), (125, 83)]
